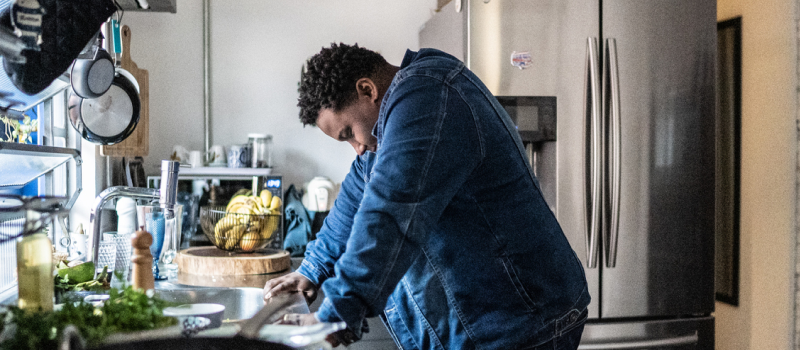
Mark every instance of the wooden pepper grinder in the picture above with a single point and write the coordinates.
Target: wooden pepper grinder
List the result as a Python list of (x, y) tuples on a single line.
[(142, 261)]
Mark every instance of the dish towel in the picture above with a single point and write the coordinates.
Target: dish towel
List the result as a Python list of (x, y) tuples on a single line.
[(298, 224)]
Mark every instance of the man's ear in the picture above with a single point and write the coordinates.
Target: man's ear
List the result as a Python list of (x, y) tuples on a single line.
[(365, 87)]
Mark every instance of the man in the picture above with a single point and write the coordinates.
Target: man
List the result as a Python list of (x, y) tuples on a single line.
[(440, 227)]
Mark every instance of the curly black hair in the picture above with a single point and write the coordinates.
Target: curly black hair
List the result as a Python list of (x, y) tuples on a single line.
[(329, 78)]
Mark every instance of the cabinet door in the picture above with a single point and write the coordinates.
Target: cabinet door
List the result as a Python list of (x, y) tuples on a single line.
[(555, 34), (666, 54)]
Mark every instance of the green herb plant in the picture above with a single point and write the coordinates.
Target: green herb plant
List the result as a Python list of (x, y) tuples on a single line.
[(19, 132), (98, 284), (126, 310)]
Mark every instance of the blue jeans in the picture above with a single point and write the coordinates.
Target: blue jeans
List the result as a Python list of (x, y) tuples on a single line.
[(569, 338)]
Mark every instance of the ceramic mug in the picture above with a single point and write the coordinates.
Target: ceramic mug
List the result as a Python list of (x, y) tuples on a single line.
[(216, 155), (238, 156), (180, 154), (196, 159), (77, 249)]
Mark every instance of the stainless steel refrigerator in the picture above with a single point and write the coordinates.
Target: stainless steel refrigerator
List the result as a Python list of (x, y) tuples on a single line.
[(630, 171)]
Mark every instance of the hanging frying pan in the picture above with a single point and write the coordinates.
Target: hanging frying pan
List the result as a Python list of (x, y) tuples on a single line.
[(110, 118)]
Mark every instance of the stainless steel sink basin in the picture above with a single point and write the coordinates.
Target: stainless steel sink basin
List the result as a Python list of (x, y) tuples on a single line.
[(240, 303)]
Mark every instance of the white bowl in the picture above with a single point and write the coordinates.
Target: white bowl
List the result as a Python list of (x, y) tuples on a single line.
[(213, 312)]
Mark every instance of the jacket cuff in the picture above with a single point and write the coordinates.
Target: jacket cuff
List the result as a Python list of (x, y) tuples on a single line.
[(308, 270), (327, 313)]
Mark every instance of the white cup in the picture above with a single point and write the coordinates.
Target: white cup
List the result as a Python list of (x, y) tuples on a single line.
[(196, 159), (180, 154), (216, 155), (77, 249)]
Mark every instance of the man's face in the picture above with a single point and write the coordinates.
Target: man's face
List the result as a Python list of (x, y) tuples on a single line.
[(354, 123)]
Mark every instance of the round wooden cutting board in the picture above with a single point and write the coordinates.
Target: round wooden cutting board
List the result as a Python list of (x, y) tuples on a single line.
[(211, 261)]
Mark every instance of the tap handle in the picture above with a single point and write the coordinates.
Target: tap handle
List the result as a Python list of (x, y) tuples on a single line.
[(142, 261)]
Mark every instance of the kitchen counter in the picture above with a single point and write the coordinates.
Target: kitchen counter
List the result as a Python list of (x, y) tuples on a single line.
[(241, 302), (377, 339)]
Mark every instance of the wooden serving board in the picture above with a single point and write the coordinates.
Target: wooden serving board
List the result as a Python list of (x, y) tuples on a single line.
[(138, 143), (212, 261)]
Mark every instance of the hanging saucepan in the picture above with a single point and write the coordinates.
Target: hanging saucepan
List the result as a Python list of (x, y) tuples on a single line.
[(93, 70), (91, 77), (110, 118)]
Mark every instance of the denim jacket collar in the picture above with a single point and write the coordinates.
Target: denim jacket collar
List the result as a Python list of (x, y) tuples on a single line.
[(377, 130)]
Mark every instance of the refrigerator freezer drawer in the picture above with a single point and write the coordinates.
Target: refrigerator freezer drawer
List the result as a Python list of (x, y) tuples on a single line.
[(689, 333)]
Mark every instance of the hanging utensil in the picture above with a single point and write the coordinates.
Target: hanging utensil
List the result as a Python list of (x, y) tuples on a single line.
[(137, 144), (93, 71), (110, 118)]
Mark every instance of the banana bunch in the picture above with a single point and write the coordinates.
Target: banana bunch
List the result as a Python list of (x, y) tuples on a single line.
[(248, 220)]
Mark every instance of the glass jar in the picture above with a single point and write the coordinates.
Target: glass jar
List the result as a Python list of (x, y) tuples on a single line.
[(261, 150), (35, 272)]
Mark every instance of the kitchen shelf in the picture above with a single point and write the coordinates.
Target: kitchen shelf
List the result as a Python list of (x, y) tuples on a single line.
[(210, 173), (24, 102), (223, 173), (23, 163)]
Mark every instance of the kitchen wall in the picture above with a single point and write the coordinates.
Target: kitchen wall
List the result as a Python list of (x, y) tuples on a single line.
[(258, 48), (764, 318)]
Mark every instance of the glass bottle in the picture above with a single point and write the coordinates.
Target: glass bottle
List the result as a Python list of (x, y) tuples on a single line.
[(35, 272)]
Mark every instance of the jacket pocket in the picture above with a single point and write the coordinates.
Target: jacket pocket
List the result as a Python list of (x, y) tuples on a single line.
[(397, 328), (570, 320), (518, 286)]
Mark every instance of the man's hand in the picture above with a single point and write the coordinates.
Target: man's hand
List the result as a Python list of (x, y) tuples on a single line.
[(293, 282), (298, 319), (307, 320), (335, 339)]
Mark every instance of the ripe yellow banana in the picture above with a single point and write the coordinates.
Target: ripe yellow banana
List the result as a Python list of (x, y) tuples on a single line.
[(223, 225), (233, 236), (269, 227), (240, 199), (266, 198), (275, 204), (256, 203)]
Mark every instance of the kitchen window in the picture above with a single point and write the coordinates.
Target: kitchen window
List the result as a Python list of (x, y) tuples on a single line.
[(63, 180)]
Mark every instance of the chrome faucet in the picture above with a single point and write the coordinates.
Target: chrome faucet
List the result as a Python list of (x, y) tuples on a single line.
[(167, 197)]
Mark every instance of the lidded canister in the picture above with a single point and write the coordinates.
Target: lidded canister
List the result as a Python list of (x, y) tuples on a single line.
[(261, 150)]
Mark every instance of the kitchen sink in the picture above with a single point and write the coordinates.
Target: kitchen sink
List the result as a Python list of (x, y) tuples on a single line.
[(240, 303)]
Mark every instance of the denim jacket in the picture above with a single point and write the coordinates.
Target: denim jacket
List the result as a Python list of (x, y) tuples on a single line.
[(443, 231)]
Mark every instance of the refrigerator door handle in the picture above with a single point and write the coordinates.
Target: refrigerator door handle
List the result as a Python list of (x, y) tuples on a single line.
[(592, 125), (615, 152), (679, 341)]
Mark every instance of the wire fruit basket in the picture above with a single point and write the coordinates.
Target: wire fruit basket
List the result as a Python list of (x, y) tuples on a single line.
[(237, 232)]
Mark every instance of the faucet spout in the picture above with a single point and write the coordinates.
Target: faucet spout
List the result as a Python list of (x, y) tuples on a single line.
[(169, 187), (106, 196), (167, 196)]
